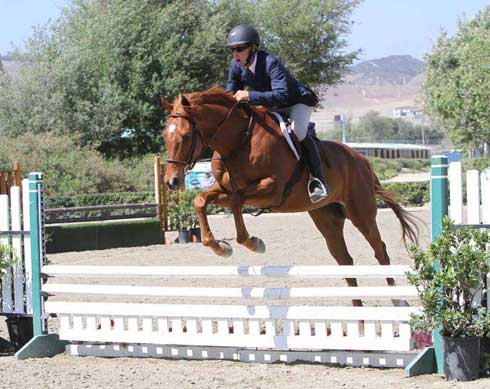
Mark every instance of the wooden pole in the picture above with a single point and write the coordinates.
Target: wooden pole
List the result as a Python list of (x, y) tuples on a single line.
[(159, 196)]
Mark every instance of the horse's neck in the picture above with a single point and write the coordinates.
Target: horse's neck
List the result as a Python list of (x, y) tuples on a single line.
[(226, 136)]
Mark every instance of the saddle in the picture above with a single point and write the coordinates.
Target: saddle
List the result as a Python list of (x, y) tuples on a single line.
[(284, 123)]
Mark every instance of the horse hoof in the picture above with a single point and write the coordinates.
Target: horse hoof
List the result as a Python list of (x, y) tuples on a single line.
[(260, 246), (255, 244), (226, 249)]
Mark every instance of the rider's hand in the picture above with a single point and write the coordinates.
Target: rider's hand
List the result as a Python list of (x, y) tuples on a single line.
[(241, 95)]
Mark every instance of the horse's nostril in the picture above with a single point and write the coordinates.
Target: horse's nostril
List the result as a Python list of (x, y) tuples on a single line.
[(174, 182)]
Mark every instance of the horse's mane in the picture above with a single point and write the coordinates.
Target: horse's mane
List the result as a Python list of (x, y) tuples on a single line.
[(214, 95)]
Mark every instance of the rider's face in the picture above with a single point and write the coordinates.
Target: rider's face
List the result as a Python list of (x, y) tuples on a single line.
[(240, 53)]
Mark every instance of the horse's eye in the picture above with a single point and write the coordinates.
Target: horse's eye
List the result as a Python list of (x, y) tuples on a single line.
[(187, 136)]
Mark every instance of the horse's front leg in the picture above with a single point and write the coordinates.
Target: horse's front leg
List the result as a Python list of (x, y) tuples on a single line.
[(214, 196), (266, 187)]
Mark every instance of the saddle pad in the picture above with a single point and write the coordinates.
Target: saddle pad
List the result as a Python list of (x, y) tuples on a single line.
[(285, 133)]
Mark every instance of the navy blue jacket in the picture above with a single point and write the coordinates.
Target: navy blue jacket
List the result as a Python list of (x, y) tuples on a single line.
[(272, 86)]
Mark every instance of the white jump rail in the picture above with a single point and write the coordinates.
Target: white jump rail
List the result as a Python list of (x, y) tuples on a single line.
[(253, 326)]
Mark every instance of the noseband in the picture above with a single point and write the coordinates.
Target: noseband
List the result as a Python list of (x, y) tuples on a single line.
[(189, 164)]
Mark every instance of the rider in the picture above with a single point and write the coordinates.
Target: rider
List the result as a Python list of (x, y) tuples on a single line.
[(271, 85)]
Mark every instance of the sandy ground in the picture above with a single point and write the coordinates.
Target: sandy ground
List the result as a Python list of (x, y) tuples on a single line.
[(290, 239)]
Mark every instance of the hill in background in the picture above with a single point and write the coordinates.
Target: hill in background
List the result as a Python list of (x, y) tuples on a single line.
[(380, 84)]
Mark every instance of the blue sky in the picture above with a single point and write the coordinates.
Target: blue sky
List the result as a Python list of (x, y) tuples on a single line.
[(382, 27)]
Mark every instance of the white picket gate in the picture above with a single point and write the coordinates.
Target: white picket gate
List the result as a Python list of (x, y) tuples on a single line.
[(477, 195)]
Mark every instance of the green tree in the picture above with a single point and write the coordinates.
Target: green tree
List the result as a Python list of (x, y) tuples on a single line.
[(98, 70), (308, 35), (456, 89)]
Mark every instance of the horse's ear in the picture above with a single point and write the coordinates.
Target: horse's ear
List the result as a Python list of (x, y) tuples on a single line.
[(166, 104), (185, 101)]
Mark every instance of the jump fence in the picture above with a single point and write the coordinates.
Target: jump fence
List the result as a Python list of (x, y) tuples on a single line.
[(262, 321), (256, 322)]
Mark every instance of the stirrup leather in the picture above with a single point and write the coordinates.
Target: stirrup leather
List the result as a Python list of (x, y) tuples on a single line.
[(316, 197)]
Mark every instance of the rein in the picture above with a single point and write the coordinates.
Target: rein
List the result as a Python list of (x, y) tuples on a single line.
[(190, 162)]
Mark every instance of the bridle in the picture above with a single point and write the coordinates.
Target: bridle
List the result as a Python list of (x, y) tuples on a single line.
[(190, 162)]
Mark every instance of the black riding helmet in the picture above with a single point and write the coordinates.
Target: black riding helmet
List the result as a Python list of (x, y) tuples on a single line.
[(242, 34)]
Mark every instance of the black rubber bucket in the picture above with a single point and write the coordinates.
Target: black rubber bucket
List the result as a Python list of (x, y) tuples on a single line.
[(20, 330), (184, 236), (461, 358)]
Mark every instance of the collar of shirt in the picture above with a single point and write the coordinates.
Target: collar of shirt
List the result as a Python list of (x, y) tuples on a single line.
[(252, 66)]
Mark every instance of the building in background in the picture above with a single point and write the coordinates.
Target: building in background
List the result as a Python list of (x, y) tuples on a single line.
[(392, 150)]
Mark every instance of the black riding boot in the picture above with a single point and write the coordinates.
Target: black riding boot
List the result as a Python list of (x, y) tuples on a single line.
[(317, 187)]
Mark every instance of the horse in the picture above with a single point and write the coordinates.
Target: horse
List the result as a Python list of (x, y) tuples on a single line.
[(252, 164)]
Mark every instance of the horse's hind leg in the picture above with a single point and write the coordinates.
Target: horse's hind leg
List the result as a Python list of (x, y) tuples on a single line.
[(371, 233), (330, 221), (370, 230)]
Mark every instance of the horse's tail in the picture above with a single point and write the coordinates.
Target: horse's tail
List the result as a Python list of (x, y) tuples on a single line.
[(408, 221)]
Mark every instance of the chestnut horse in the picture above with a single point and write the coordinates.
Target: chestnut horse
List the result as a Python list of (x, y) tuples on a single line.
[(253, 165)]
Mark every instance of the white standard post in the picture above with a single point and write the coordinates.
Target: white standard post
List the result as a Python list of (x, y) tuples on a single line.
[(455, 175), (485, 195), (473, 196)]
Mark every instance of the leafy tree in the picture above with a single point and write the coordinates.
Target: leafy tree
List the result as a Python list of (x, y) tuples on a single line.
[(308, 35), (456, 87), (100, 68), (373, 127)]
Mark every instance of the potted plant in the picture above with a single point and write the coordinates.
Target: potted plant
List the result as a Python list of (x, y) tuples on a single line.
[(183, 216), (449, 277), (19, 327)]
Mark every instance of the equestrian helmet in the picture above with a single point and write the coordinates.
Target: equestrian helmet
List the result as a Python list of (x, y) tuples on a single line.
[(242, 34)]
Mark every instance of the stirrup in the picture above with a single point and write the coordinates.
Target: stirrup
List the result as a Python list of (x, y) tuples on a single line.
[(322, 193)]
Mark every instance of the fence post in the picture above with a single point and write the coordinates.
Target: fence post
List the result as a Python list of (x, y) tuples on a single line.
[(42, 344), (439, 205), (438, 192)]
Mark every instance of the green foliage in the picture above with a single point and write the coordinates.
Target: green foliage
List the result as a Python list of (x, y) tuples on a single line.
[(182, 213), (410, 194), (475, 163), (308, 35), (372, 127), (448, 276), (99, 199), (99, 69), (389, 168), (71, 170), (7, 259), (456, 89)]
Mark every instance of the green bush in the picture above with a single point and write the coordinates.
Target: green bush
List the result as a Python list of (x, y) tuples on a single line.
[(448, 294), (71, 170), (99, 199), (389, 168), (411, 194), (475, 163)]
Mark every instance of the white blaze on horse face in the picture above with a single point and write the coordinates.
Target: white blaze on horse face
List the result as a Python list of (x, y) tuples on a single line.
[(171, 128)]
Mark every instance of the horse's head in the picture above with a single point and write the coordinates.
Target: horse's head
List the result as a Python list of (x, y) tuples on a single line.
[(183, 139)]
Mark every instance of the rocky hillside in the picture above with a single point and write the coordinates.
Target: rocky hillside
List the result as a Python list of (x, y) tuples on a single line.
[(379, 84)]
